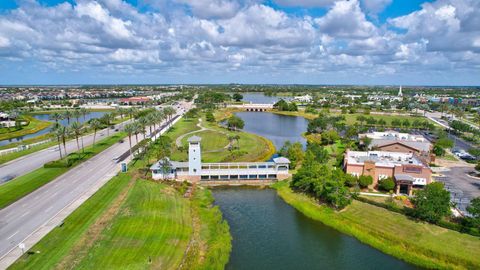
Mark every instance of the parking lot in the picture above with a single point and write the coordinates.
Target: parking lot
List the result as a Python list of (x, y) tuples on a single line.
[(462, 187)]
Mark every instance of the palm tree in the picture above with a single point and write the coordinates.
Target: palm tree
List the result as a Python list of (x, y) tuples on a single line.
[(76, 129), (151, 121), (67, 115), (55, 117), (59, 133), (169, 112), (95, 124), (107, 120), (160, 116), (138, 129), (143, 122), (76, 114), (84, 112), (130, 129), (131, 111)]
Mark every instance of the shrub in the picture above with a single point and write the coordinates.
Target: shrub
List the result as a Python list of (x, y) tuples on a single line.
[(365, 180), (386, 184)]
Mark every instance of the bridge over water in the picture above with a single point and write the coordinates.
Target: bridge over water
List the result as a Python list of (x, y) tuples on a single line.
[(253, 107)]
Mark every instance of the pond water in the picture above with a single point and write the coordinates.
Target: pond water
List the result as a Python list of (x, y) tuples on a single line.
[(275, 127), (254, 97), (270, 234), (46, 117)]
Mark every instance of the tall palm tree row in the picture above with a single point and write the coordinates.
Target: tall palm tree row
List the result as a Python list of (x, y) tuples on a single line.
[(95, 124), (76, 129)]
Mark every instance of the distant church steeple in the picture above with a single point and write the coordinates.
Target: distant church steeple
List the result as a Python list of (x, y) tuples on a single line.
[(400, 94)]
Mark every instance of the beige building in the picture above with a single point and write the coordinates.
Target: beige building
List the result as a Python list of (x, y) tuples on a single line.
[(393, 141), (407, 169)]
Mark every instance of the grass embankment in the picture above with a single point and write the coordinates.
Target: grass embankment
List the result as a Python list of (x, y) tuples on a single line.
[(418, 243), (215, 143), (132, 223), (33, 126), (25, 184)]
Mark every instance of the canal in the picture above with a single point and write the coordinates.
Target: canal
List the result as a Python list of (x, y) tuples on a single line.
[(270, 234)]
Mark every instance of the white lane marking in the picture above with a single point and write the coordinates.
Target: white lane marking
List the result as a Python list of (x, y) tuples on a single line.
[(12, 235), (24, 214), (48, 209), (23, 205)]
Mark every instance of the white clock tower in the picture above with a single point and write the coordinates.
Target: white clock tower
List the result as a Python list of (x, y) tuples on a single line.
[(194, 156)]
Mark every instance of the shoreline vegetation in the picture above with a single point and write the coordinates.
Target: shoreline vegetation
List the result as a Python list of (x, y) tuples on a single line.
[(419, 243)]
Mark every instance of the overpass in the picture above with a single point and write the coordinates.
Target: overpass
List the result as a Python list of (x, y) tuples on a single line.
[(252, 107)]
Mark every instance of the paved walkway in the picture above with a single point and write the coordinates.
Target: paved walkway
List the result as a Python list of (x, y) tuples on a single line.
[(178, 141)]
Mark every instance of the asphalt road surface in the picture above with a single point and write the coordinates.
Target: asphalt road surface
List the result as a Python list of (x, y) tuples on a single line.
[(28, 163), (462, 187), (22, 218)]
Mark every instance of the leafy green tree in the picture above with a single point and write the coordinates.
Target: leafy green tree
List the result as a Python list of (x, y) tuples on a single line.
[(235, 122), (237, 97), (365, 180), (330, 136), (474, 208), (209, 116), (396, 122), (444, 142), (386, 184), (293, 151), (438, 151), (432, 203)]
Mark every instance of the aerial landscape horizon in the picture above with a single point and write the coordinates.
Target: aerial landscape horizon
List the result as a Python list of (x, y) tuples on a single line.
[(239, 134)]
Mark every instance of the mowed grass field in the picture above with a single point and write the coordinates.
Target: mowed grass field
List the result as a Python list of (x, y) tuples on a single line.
[(419, 243), (151, 230), (251, 147)]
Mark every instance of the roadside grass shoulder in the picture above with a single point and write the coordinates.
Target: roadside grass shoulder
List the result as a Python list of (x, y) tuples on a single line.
[(25, 184), (418, 243), (47, 253), (151, 230)]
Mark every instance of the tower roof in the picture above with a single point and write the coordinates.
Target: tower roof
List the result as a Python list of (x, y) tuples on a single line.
[(194, 139)]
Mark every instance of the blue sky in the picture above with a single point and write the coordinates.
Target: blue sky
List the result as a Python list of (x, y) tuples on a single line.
[(384, 42)]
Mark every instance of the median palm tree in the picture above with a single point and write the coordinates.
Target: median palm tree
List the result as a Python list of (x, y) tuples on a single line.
[(76, 130), (55, 117), (76, 114), (107, 120), (84, 112), (137, 130), (160, 116), (59, 133), (130, 129), (151, 121), (143, 122), (67, 115), (169, 112), (95, 125)]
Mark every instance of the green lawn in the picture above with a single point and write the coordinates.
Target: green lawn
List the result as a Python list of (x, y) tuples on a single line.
[(25, 184), (419, 243), (152, 229), (251, 147), (35, 125)]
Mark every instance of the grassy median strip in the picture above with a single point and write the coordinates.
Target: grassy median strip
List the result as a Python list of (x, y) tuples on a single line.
[(25, 184), (418, 243)]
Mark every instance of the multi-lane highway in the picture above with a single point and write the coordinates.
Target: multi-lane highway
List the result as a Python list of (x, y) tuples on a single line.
[(36, 160), (21, 220)]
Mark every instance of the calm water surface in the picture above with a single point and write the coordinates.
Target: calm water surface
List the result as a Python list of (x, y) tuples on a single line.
[(270, 234), (275, 127), (46, 117)]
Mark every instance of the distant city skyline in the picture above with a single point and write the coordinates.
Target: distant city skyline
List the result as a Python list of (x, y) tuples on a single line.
[(310, 42)]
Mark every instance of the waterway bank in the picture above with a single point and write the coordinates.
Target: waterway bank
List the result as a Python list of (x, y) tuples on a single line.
[(415, 242), (267, 233)]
